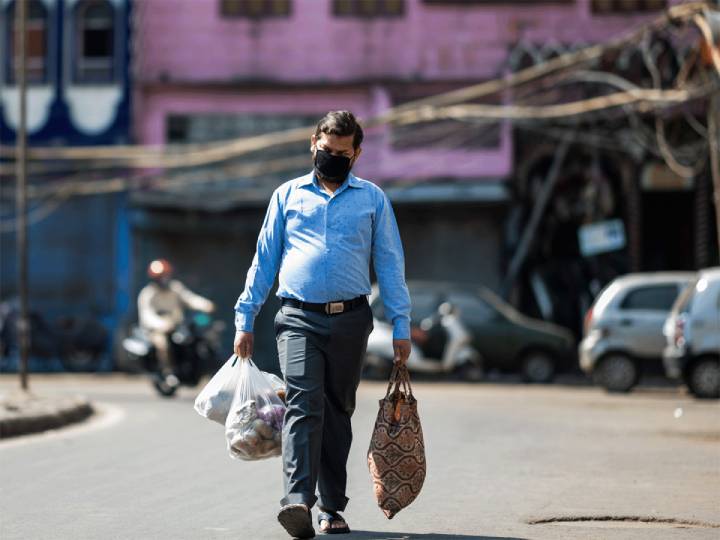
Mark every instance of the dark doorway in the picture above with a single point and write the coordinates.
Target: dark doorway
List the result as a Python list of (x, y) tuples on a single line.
[(667, 230)]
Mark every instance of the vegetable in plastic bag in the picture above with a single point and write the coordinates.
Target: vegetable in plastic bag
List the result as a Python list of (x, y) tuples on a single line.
[(214, 401), (253, 428)]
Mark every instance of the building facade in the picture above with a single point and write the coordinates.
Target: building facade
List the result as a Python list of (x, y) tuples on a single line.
[(78, 94), (219, 69)]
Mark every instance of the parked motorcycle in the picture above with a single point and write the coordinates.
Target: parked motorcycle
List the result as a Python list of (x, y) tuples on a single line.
[(78, 342), (195, 346), (441, 344)]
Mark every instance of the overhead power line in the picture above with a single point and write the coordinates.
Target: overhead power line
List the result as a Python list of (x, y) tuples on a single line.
[(643, 99), (190, 155), (450, 105)]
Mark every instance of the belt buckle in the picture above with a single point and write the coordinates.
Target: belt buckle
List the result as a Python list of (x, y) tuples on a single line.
[(334, 307)]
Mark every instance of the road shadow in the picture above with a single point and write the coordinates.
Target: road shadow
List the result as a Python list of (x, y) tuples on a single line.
[(377, 535)]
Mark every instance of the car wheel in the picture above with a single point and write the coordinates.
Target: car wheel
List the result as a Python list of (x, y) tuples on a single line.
[(538, 367), (617, 373), (704, 378)]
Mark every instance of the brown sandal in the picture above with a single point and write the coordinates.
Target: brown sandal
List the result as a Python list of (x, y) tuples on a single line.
[(297, 520)]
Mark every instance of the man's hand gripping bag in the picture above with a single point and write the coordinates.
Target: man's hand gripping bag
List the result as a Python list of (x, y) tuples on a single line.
[(396, 457)]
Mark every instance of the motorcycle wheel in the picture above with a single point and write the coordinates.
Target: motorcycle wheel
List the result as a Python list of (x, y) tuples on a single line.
[(163, 388)]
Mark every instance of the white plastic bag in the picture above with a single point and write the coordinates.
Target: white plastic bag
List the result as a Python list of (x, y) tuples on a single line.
[(253, 428), (214, 401), (277, 384)]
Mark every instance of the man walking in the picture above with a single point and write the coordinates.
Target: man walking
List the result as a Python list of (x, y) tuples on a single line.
[(320, 231)]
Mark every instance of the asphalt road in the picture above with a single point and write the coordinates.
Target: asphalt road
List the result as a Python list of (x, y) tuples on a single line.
[(500, 456)]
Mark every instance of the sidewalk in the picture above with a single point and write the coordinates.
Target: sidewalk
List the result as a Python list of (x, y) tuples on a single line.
[(22, 413)]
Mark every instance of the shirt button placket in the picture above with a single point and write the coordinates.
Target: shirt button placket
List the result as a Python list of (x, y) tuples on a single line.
[(328, 239)]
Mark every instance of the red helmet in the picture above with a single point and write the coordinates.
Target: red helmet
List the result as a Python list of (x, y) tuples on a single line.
[(160, 268)]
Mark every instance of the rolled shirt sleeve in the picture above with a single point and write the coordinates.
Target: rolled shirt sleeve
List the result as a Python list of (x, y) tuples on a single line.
[(389, 264), (264, 267)]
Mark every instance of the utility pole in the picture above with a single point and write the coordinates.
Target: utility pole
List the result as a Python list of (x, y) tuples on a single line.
[(23, 326), (714, 143), (709, 26), (538, 210)]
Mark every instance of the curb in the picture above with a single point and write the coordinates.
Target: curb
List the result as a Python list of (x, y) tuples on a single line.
[(23, 414)]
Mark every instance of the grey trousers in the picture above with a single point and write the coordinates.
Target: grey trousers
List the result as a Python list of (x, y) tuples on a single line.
[(321, 359)]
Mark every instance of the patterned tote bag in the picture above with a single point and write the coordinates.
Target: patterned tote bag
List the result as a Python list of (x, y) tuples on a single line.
[(396, 457)]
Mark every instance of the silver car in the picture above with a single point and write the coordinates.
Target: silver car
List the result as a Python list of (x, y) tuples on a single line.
[(624, 327), (692, 332)]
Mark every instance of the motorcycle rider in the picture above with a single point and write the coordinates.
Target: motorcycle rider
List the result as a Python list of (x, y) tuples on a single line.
[(161, 306)]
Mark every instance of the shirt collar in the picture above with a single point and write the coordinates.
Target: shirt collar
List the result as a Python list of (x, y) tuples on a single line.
[(309, 179), (353, 181)]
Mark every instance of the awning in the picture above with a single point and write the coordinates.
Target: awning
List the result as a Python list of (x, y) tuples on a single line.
[(483, 190), (253, 195)]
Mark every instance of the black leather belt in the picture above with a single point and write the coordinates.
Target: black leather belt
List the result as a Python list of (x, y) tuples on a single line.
[(331, 308)]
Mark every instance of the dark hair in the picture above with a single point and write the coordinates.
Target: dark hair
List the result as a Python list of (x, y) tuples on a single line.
[(342, 124)]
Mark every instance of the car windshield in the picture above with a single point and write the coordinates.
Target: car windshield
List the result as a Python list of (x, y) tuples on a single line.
[(472, 309), (683, 302), (424, 303), (505, 309)]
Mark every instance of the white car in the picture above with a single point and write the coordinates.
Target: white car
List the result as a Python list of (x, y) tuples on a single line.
[(692, 332), (623, 328)]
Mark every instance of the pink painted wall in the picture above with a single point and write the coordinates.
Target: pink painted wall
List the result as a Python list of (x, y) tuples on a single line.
[(188, 40), (190, 59), (379, 161)]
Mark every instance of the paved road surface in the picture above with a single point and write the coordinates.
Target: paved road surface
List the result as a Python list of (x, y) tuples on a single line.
[(499, 456)]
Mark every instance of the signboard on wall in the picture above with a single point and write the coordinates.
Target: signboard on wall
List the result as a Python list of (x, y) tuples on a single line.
[(601, 237)]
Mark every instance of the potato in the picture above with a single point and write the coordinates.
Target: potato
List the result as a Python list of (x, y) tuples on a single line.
[(262, 429), (241, 448), (267, 447), (251, 438)]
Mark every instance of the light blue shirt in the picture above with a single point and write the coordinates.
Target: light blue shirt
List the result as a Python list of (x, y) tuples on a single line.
[(322, 244)]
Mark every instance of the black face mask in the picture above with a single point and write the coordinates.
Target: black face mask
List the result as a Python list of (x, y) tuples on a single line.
[(332, 168)]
